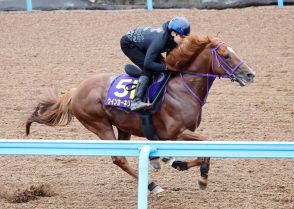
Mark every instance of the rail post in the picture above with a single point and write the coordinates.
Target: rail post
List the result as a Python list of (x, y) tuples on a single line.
[(149, 5), (280, 3), (143, 177), (29, 5)]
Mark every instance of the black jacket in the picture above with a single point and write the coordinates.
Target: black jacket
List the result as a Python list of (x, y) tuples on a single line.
[(152, 41)]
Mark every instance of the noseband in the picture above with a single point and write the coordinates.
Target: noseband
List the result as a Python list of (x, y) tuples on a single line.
[(221, 62)]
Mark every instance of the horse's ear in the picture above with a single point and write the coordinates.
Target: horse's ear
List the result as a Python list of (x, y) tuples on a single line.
[(218, 35)]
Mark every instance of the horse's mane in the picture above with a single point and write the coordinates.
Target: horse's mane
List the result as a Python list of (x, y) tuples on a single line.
[(182, 56)]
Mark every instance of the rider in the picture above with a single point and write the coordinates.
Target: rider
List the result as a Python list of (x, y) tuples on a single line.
[(144, 45)]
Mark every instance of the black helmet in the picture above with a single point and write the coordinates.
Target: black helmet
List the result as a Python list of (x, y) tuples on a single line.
[(180, 25)]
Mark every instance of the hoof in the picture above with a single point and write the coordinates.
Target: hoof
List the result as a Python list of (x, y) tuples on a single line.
[(155, 164), (202, 183), (157, 191)]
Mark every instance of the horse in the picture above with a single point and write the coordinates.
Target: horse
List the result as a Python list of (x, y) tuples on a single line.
[(194, 65)]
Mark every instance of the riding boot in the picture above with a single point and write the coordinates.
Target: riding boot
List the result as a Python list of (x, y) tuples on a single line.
[(137, 103)]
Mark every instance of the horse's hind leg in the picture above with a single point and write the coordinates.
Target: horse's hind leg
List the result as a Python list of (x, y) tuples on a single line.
[(124, 165), (121, 161), (103, 129)]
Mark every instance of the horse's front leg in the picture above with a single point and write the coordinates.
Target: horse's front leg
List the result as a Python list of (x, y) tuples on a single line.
[(201, 161), (191, 136), (204, 168)]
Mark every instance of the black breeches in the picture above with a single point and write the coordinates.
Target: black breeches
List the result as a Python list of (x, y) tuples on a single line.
[(136, 55)]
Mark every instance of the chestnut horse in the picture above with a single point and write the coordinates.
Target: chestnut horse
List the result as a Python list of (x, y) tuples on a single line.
[(194, 65)]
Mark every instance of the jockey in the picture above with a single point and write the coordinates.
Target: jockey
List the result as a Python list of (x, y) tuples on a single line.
[(144, 45)]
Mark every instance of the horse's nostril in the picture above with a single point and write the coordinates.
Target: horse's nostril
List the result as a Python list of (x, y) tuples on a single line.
[(250, 75)]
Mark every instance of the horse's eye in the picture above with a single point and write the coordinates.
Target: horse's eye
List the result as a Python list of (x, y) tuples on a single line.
[(226, 56)]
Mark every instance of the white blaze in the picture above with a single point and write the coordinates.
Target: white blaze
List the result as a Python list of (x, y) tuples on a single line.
[(231, 50)]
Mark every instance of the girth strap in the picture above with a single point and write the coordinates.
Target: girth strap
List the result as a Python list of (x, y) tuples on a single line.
[(147, 126)]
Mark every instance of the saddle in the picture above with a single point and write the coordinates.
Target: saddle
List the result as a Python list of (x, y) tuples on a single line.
[(122, 91)]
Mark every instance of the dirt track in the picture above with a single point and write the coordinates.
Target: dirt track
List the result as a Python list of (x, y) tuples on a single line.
[(41, 50)]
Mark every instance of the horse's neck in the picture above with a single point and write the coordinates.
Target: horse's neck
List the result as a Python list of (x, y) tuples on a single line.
[(197, 87), (181, 100)]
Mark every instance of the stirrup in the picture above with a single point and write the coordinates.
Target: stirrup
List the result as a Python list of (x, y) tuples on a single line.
[(140, 105)]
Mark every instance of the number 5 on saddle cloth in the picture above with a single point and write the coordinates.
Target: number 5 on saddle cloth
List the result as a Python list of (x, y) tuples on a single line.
[(122, 92)]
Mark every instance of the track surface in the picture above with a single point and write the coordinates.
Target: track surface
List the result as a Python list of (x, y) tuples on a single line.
[(41, 50)]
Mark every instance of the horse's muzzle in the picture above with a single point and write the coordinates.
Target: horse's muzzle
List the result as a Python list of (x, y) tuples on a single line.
[(243, 76)]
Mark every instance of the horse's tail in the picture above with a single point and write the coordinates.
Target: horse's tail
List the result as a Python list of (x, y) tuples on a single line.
[(52, 111)]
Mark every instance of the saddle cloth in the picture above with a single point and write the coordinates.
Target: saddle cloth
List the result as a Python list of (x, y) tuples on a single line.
[(123, 88)]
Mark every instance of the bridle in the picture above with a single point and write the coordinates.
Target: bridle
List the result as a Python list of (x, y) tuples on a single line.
[(221, 62)]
